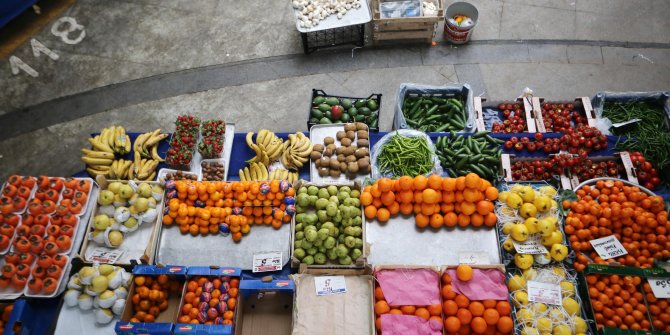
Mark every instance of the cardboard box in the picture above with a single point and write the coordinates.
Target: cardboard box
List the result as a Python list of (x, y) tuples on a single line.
[(349, 313), (214, 329), (408, 267), (266, 307), (479, 104), (582, 105), (165, 320), (149, 252), (358, 263)]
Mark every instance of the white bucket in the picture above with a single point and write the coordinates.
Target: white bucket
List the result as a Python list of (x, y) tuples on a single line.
[(454, 33)]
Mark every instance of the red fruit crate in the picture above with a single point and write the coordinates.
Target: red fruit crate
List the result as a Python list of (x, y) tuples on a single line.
[(556, 116), (516, 116)]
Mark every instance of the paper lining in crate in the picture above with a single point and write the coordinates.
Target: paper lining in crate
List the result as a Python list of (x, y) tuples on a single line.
[(359, 262), (119, 232)]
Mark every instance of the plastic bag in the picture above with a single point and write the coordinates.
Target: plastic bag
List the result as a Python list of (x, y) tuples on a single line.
[(376, 174), (463, 91)]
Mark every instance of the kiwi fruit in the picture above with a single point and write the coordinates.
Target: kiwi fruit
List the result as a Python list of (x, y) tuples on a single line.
[(343, 166), (362, 134), (334, 164), (328, 152), (325, 161), (363, 162), (351, 135), (362, 143), (340, 135), (315, 155), (362, 152), (352, 167), (339, 150), (318, 147), (350, 159), (328, 140), (341, 157), (349, 126), (323, 172), (346, 142), (348, 151), (361, 126), (335, 173)]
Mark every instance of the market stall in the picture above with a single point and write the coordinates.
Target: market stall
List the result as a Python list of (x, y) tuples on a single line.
[(193, 230)]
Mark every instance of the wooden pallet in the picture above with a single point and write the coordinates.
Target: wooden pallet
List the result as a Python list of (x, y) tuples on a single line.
[(406, 28)]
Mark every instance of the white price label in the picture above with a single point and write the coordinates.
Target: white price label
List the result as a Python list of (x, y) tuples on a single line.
[(326, 285), (269, 261), (530, 246), (544, 292), (608, 247), (660, 287), (473, 257), (103, 256)]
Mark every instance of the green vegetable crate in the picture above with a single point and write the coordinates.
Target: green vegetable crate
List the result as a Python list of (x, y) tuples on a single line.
[(622, 273), (656, 100), (435, 108), (328, 109)]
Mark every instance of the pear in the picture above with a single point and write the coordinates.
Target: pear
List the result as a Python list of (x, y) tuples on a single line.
[(508, 245), (562, 330), (126, 191), (544, 325), (99, 284), (524, 315), (545, 227), (527, 194), (144, 190), (567, 289), (542, 203), (105, 198), (105, 269), (103, 316), (101, 222), (115, 238), (571, 306), (114, 187), (514, 201)]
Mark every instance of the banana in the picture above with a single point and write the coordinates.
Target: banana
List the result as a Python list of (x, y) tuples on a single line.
[(260, 137), (241, 174), (268, 139), (254, 172), (154, 154), (155, 138), (97, 154), (96, 161), (137, 146), (95, 172), (272, 175), (131, 171), (127, 144), (250, 138), (99, 146), (99, 167), (247, 175)]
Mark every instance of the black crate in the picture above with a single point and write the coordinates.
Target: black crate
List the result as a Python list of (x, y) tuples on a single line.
[(321, 93), (329, 38)]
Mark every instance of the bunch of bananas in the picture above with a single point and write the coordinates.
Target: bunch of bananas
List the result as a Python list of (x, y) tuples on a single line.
[(282, 174), (268, 147), (120, 169), (147, 144), (143, 168), (112, 140), (254, 172), (296, 151)]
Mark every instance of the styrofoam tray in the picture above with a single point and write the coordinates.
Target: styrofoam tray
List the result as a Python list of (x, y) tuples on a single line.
[(396, 242), (62, 283), (9, 293), (352, 17), (32, 194), (86, 206), (13, 237), (80, 232), (76, 228), (163, 172), (227, 149), (213, 160), (316, 135)]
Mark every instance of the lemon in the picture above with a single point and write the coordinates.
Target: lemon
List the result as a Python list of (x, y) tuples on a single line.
[(567, 289), (544, 325), (580, 325), (562, 330), (571, 306), (539, 308)]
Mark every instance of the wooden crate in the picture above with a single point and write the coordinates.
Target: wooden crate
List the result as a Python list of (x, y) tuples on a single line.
[(406, 28)]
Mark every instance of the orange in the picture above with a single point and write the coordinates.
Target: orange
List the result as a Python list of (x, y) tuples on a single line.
[(464, 273), (381, 307), (491, 193), (462, 301), (450, 219), (449, 184), (452, 324), (436, 322), (450, 308), (484, 207), (505, 324), (228, 315), (464, 316), (378, 323), (408, 310), (366, 198), (436, 221), (446, 279), (476, 308), (421, 220), (478, 325), (395, 311), (406, 183), (448, 292), (370, 212), (388, 198), (231, 303), (422, 313), (429, 196), (379, 295), (435, 310), (503, 308), (383, 215), (463, 220), (385, 184), (491, 316), (467, 208), (375, 191), (472, 181), (490, 219), (435, 182), (472, 195), (476, 220), (420, 182)]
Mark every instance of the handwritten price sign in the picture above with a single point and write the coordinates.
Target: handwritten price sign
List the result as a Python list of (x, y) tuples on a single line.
[(608, 247), (660, 287)]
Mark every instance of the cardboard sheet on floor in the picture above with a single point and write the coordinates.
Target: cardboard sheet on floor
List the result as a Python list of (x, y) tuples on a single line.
[(485, 284), (346, 313), (424, 282)]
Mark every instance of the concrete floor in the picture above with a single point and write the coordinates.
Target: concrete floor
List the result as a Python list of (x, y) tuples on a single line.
[(144, 62)]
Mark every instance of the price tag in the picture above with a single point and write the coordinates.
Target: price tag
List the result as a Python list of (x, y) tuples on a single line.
[(544, 292), (660, 287), (104, 256), (608, 247), (473, 258), (326, 285), (531, 246), (269, 261)]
